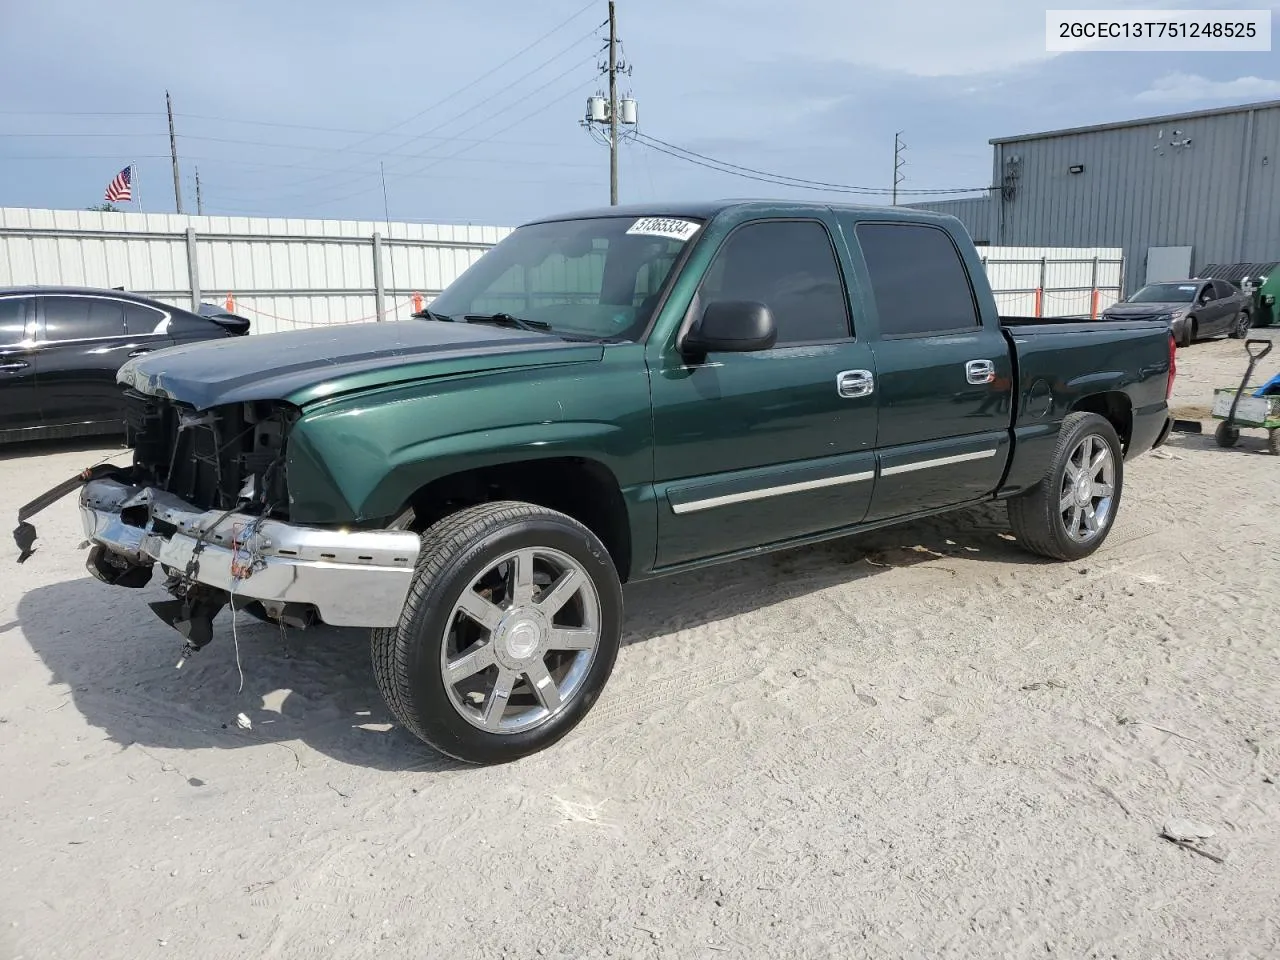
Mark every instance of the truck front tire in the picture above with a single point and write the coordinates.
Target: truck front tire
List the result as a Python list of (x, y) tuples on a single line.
[(508, 636), (1068, 515)]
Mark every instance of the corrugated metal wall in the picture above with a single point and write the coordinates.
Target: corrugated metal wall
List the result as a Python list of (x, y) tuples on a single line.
[(1139, 190), (1220, 195), (1262, 218), (283, 273), (974, 212)]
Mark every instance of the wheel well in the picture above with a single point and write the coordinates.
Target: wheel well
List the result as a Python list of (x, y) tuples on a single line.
[(1115, 407), (582, 489)]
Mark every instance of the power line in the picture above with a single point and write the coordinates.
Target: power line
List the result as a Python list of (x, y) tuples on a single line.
[(484, 120), (398, 170), (420, 171), (329, 172), (87, 156), (512, 106), (279, 166), (237, 140), (472, 84), (783, 179), (275, 124), (258, 203), (471, 109), (81, 113), (209, 118), (305, 126), (278, 145), (763, 176), (132, 136), (268, 193)]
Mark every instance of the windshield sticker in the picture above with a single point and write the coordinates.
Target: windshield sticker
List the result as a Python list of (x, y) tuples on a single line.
[(664, 227), (1186, 288)]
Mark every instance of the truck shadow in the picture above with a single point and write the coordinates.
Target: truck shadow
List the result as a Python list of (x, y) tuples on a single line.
[(317, 689), (1252, 440)]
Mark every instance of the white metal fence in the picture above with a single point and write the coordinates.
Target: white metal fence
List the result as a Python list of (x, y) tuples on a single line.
[(287, 273), (1054, 281), (281, 273)]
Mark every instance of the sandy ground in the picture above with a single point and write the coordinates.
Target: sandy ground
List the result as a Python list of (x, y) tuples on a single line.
[(919, 744)]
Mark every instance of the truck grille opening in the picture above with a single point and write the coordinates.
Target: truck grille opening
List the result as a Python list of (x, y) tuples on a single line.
[(218, 459)]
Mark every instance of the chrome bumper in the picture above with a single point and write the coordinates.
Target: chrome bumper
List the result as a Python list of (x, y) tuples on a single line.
[(357, 579)]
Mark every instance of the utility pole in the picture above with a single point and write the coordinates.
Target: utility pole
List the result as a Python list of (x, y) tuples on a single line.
[(199, 199), (898, 164), (606, 110), (613, 105), (173, 153)]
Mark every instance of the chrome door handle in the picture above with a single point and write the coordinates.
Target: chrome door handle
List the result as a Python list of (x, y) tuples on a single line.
[(855, 383), (15, 365), (980, 371)]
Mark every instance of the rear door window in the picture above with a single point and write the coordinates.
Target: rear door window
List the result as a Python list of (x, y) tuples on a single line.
[(143, 321), (82, 318), (918, 279), (13, 321)]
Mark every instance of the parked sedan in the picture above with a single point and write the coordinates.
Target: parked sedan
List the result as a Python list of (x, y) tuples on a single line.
[(60, 348), (1194, 308)]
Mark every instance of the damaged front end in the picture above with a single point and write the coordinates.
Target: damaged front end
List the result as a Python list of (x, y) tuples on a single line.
[(206, 500)]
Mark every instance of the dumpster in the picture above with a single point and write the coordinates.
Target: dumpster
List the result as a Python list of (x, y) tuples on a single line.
[(1260, 280)]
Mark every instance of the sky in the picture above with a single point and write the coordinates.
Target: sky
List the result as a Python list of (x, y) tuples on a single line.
[(474, 110)]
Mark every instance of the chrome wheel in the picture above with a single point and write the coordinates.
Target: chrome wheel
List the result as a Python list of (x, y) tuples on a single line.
[(520, 640), (1088, 489)]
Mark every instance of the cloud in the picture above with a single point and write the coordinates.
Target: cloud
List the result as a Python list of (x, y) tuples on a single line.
[(1179, 87), (922, 38), (806, 88)]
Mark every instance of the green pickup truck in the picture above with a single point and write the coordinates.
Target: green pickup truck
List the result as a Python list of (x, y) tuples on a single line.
[(606, 397)]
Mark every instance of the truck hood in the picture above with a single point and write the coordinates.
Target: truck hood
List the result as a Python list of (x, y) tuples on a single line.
[(306, 366), (1123, 310)]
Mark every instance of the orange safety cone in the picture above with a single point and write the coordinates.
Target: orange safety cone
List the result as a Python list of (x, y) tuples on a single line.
[(231, 303), (1093, 311), (417, 302)]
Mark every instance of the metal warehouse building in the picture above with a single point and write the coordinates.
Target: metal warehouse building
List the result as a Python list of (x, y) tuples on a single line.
[(1176, 193)]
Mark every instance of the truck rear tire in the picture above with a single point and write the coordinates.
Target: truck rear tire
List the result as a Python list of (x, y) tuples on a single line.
[(1069, 513), (508, 636)]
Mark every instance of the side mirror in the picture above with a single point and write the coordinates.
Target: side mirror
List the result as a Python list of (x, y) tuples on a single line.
[(732, 326)]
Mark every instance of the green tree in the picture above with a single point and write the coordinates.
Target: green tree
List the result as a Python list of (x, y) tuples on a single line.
[(104, 208)]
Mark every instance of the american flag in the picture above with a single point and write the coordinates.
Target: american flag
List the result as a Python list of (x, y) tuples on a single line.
[(118, 189)]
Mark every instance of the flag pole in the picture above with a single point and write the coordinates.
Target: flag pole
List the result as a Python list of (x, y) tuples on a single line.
[(133, 179)]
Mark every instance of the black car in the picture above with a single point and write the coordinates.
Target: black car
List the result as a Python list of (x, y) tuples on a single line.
[(1194, 308), (60, 348)]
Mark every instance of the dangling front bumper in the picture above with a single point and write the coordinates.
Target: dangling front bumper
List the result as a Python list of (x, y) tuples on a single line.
[(350, 578)]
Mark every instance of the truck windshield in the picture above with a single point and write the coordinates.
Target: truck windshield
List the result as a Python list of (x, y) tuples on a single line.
[(599, 278), (1165, 293)]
